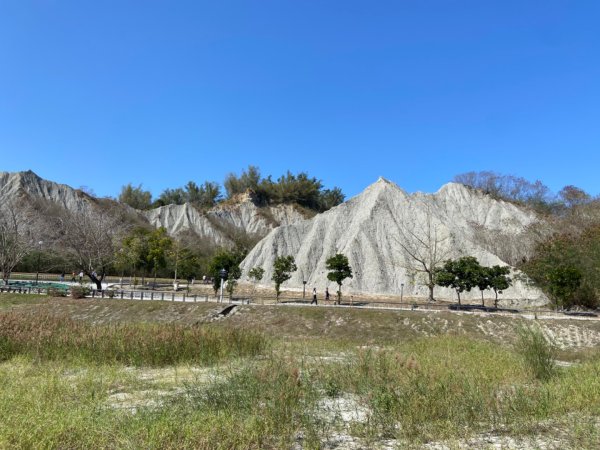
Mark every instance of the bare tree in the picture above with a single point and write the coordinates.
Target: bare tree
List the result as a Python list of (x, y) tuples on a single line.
[(425, 245), (16, 239), (90, 238)]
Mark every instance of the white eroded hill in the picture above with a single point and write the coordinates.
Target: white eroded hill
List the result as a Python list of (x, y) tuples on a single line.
[(375, 229), (218, 226)]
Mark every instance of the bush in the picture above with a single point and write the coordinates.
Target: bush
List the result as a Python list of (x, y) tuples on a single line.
[(79, 291), (55, 292), (585, 297), (538, 353)]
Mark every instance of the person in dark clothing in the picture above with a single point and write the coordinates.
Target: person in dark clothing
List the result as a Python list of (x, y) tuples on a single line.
[(314, 298), (327, 294)]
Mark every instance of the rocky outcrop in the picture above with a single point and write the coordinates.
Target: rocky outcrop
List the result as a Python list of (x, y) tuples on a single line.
[(374, 229)]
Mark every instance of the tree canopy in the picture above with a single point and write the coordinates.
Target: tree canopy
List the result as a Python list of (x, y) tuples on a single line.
[(339, 269), (283, 267)]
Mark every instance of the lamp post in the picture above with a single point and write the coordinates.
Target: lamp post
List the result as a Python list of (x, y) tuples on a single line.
[(223, 275), (37, 270), (401, 291)]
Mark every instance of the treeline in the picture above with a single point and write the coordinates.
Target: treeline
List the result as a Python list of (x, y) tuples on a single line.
[(533, 194), (300, 189), (565, 261)]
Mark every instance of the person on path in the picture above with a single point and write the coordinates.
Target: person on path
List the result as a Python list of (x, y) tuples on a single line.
[(314, 299), (81, 276), (327, 294), (73, 277)]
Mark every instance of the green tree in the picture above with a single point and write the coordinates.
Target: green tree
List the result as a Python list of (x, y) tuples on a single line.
[(483, 283), (554, 258), (498, 280), (204, 196), (461, 274), (249, 180), (330, 198), (256, 274), (134, 252), (135, 197), (159, 244), (563, 282), (171, 197), (339, 269), (282, 271), (230, 261)]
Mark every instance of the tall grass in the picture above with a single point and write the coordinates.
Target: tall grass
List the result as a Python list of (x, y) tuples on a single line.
[(446, 388), (44, 336), (538, 352)]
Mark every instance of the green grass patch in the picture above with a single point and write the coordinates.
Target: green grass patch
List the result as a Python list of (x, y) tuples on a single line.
[(44, 336)]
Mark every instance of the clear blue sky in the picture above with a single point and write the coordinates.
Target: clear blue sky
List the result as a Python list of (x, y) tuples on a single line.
[(101, 93)]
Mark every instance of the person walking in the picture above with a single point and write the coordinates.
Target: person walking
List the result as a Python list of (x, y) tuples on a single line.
[(326, 294), (314, 299)]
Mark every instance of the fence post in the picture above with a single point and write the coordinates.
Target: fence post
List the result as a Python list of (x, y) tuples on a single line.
[(162, 295), (142, 295), (183, 298), (131, 295), (173, 296), (151, 295)]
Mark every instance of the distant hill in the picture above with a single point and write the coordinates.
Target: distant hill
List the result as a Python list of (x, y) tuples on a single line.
[(219, 226), (372, 227)]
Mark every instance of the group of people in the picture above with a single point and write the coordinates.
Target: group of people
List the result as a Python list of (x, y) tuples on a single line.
[(73, 279), (314, 295)]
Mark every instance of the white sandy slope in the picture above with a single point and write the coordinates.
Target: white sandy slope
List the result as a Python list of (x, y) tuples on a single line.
[(367, 229)]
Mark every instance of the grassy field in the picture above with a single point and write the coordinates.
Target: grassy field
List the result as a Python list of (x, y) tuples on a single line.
[(132, 374)]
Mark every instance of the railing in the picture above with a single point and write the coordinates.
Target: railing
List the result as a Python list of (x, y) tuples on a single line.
[(145, 295)]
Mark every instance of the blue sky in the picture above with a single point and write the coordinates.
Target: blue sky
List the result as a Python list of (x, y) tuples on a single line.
[(162, 92)]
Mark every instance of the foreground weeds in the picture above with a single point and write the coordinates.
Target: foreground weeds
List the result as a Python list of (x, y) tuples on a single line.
[(449, 388), (71, 384), (47, 337)]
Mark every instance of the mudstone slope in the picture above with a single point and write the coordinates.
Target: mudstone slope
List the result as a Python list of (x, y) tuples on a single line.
[(218, 225), (375, 228)]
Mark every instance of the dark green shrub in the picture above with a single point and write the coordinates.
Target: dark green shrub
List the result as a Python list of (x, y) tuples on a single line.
[(79, 291)]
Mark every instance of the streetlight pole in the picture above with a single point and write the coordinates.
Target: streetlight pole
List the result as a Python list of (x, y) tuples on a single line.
[(37, 270)]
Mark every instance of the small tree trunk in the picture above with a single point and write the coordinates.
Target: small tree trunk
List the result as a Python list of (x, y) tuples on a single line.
[(496, 299), (458, 295), (96, 281), (154, 283), (339, 294), (431, 285), (482, 301)]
